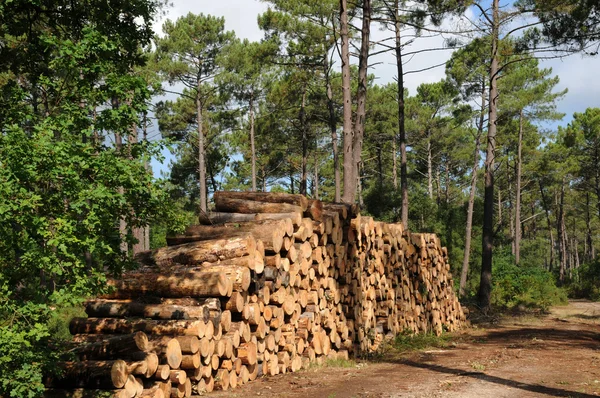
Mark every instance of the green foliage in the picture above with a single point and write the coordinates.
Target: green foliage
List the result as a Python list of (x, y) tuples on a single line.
[(407, 341), (63, 185), (528, 286), (586, 281)]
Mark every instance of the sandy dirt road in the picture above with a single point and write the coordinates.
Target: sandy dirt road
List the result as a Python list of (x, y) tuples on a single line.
[(557, 355)]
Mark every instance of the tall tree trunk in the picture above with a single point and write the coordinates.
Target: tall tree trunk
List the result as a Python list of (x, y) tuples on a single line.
[(485, 284), (359, 185), (304, 131), (138, 232), (394, 165), (518, 192), (589, 252), (361, 93), (533, 222), (468, 230), (560, 228), (252, 147), (147, 166), (549, 222), (500, 220), (379, 167), (447, 184), (511, 221), (401, 126), (333, 129), (316, 178), (119, 147), (349, 175), (597, 177), (201, 164), (429, 167)]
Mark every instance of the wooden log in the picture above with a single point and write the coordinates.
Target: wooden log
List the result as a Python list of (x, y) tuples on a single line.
[(271, 232), (196, 253), (216, 218), (315, 210), (247, 353), (236, 302), (162, 372), (245, 206), (239, 276), (150, 361), (114, 347), (123, 326), (193, 283), (93, 374), (129, 308), (267, 197), (167, 349), (152, 392)]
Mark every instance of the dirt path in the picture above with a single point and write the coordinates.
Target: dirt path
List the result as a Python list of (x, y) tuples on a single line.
[(554, 356)]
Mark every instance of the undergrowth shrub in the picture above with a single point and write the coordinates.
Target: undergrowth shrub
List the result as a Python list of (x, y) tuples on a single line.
[(523, 285), (586, 281), (407, 341)]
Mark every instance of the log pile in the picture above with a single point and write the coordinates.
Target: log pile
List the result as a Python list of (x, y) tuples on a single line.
[(264, 285)]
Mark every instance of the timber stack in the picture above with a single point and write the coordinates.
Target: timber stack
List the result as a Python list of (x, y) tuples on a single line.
[(266, 284)]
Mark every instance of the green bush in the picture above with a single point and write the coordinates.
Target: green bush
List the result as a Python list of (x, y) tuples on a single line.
[(529, 286), (586, 281)]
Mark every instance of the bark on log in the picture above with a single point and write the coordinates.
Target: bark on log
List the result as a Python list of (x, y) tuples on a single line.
[(192, 283), (216, 218), (114, 347), (129, 308), (271, 232), (268, 197), (195, 253)]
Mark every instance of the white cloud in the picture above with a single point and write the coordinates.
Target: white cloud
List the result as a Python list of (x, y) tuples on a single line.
[(577, 74), (240, 15)]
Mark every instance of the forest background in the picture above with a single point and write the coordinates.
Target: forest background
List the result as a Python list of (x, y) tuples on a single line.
[(442, 115)]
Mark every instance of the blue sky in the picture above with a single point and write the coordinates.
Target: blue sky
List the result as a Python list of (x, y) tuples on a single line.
[(577, 73)]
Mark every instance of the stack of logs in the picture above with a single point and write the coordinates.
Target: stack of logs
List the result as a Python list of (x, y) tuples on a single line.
[(265, 285)]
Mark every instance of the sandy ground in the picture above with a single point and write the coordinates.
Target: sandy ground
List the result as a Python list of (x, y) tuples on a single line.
[(557, 355)]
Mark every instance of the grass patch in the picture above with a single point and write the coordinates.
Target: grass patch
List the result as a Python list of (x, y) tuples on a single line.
[(339, 363), (414, 342), (333, 363)]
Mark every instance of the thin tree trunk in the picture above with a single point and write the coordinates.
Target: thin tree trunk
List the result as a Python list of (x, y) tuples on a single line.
[(500, 220), (201, 165), (361, 93), (465, 266), (518, 192), (589, 252), (379, 167), (138, 232), (349, 176), (447, 184), (359, 186), (122, 223), (334, 137), (560, 221), (429, 167), (304, 128), (147, 166), (549, 222), (485, 284), (401, 126), (252, 147), (394, 165), (316, 178)]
